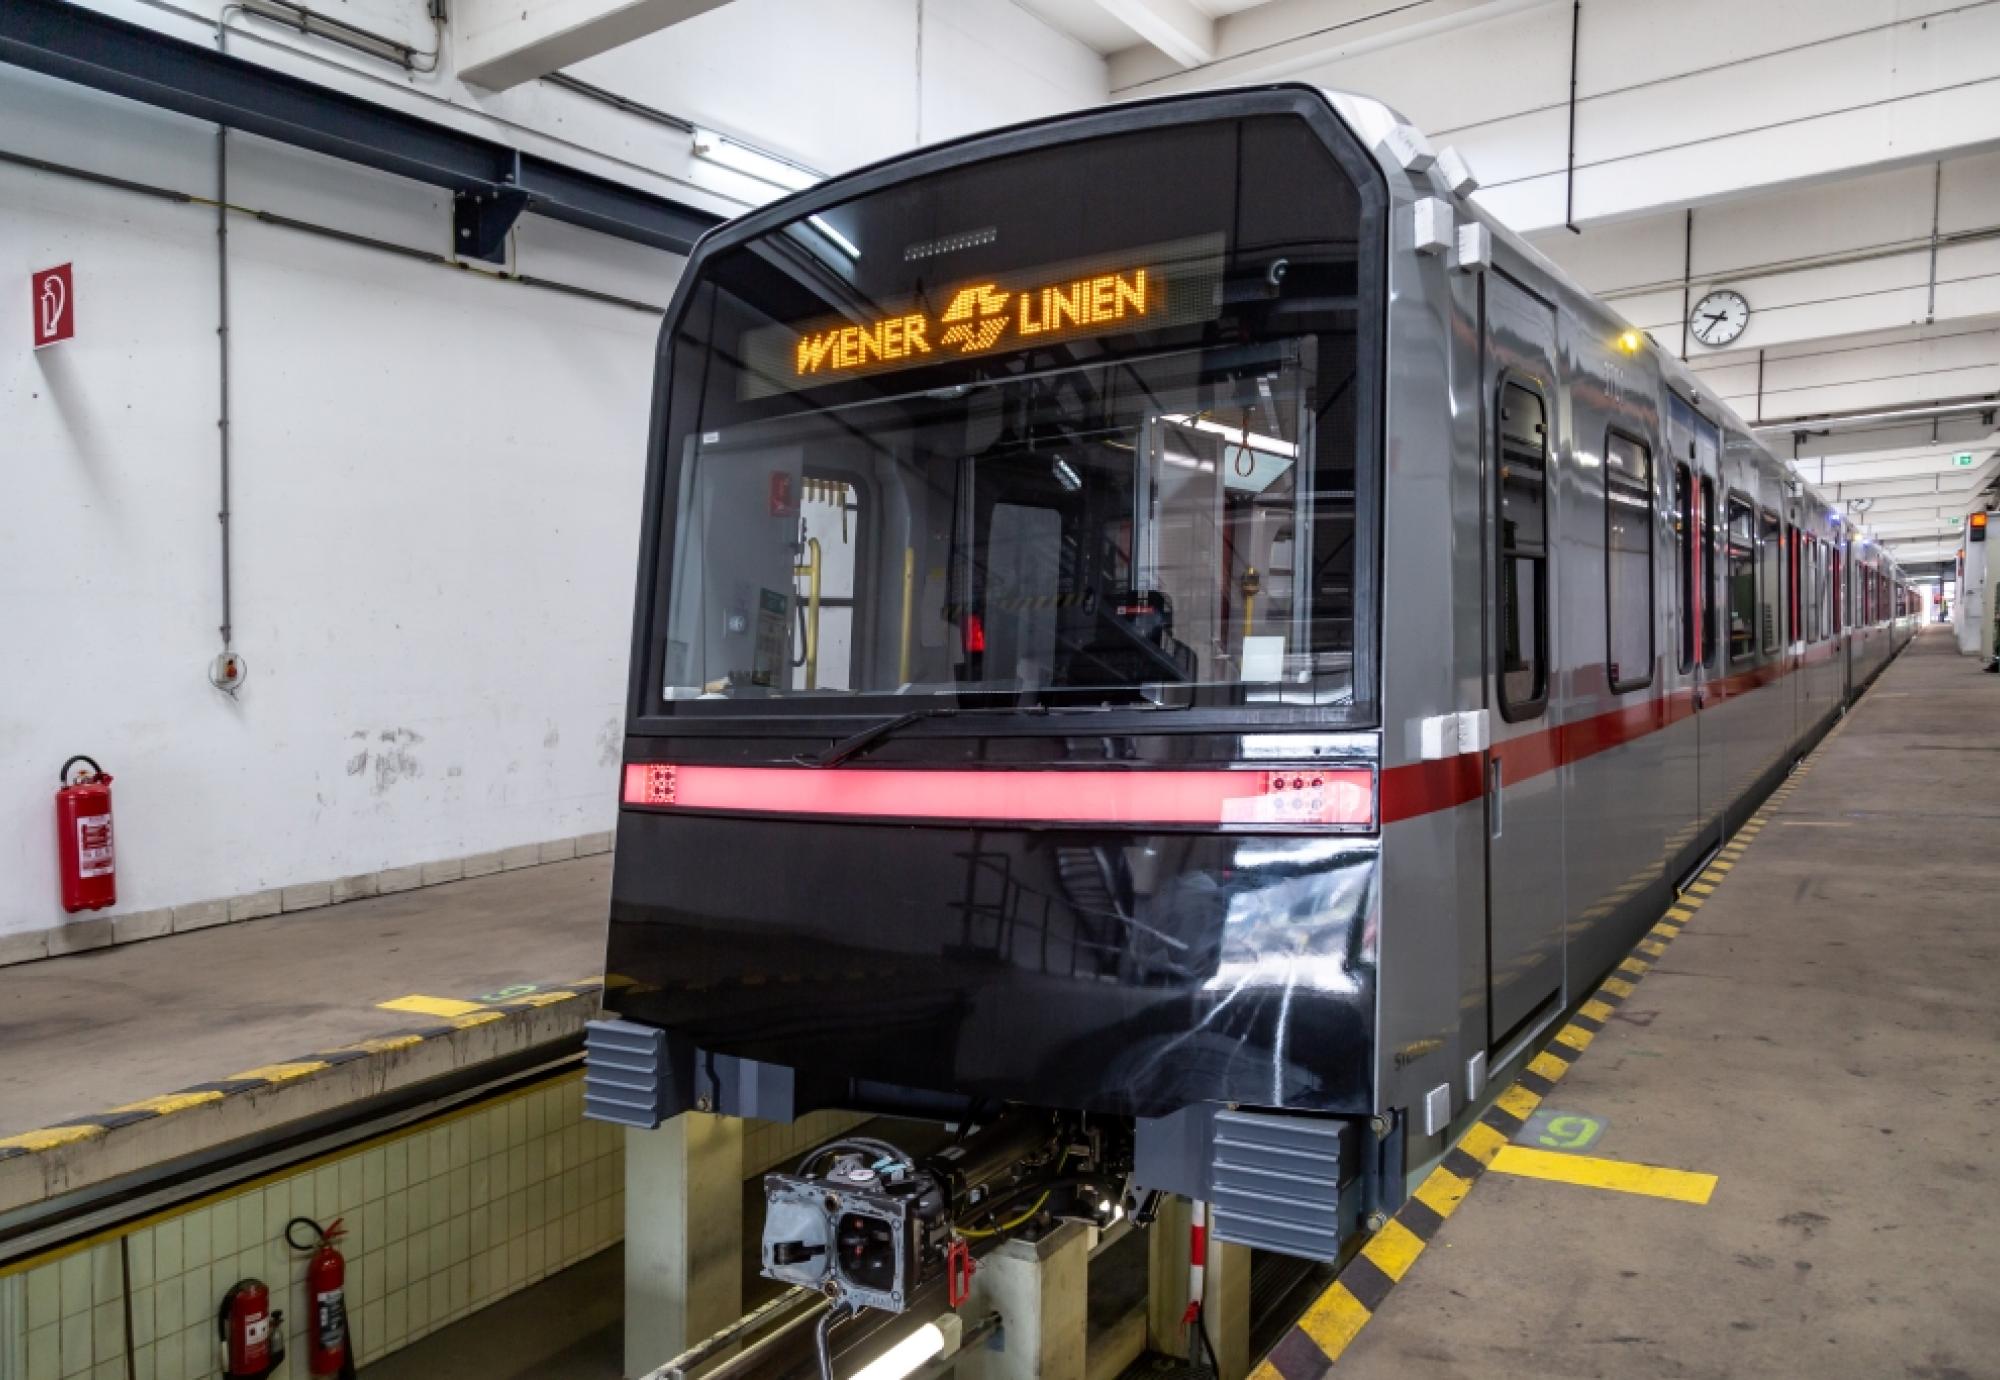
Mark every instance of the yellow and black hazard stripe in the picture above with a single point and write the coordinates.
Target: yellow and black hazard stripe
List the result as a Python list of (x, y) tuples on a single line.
[(1337, 1316), (67, 1133)]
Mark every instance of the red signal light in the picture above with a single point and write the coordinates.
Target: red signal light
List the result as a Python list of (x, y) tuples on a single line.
[(975, 633)]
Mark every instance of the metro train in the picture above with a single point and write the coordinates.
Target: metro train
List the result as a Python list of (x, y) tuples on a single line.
[(1173, 616)]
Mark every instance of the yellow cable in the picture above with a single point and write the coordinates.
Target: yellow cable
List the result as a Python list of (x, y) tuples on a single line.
[(1005, 1226)]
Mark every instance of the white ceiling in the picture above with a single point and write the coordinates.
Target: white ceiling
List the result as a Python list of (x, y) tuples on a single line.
[(1094, 26)]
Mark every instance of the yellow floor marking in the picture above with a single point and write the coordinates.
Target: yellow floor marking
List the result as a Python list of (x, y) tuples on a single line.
[(1550, 1066), (1482, 1142), (1653, 946), (1589, 1172), (1636, 966), (476, 1018), (1702, 889), (1576, 1037), (1334, 1319), (1394, 1249), (280, 1073), (1266, 1371), (1595, 1009), (1680, 913), (51, 1138), (431, 1006), (172, 1102), (1518, 1101), (1442, 1191), (1720, 865), (1618, 987)]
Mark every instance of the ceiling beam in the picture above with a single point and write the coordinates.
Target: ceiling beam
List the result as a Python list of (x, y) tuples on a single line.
[(503, 43), (1175, 27), (491, 182)]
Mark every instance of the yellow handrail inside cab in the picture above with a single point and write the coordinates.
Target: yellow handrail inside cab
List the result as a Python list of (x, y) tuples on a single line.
[(909, 603), (811, 570)]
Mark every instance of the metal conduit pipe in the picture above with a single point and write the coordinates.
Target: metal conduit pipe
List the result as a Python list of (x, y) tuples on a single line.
[(222, 328), (1856, 421)]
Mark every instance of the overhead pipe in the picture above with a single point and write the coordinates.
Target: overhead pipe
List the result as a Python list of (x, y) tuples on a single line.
[(1856, 421)]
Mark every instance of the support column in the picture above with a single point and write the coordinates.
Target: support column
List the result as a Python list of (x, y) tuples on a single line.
[(1226, 1285), (1040, 1289), (683, 1236)]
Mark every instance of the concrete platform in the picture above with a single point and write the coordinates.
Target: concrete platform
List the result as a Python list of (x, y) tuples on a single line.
[(1820, 1033), (125, 1057)]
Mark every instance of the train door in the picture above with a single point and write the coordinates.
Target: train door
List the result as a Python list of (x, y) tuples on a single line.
[(1524, 812), (1696, 445), (1711, 775)]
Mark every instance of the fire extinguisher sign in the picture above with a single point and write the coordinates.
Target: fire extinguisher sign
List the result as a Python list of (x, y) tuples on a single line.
[(93, 845), (52, 301)]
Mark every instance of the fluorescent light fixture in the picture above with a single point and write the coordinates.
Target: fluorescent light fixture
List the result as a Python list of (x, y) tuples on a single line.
[(905, 1356), (1270, 445), (1066, 476), (765, 167)]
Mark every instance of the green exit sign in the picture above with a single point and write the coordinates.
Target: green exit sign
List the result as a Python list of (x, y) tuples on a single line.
[(1963, 459), (1957, 521)]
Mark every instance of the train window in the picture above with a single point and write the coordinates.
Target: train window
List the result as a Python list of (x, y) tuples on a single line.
[(1815, 589), (1770, 567), (1839, 594), (1686, 562), (1794, 544), (1742, 577), (1707, 539), (1524, 553), (1054, 463), (1628, 562)]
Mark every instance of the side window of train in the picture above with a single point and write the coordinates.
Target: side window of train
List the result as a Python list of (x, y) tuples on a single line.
[(1815, 589), (1524, 554), (1794, 545), (1770, 564), (1685, 564), (1709, 538), (1742, 578), (1628, 562)]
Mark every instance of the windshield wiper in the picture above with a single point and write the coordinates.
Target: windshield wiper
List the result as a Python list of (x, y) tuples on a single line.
[(860, 742)]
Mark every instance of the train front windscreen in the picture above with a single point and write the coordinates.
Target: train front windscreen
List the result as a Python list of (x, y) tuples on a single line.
[(1087, 425)]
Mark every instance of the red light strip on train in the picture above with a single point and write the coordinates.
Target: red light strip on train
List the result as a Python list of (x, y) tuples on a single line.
[(1298, 797)]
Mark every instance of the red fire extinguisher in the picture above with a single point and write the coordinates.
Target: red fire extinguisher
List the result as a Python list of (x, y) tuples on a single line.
[(83, 838), (253, 1337), (326, 1283)]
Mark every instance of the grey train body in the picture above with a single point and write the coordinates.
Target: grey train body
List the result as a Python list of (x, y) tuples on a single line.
[(1578, 858)]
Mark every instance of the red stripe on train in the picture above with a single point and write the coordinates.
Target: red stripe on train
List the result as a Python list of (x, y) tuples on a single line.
[(1419, 788)]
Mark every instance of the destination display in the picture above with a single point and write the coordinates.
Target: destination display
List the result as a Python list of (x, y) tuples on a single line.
[(1150, 288)]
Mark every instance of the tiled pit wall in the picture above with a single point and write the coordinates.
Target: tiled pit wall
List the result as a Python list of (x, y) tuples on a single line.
[(440, 1221)]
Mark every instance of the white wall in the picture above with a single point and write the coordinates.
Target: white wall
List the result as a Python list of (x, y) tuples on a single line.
[(436, 482), (437, 475)]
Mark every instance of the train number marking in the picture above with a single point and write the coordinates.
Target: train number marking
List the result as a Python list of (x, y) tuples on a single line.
[(1570, 1131)]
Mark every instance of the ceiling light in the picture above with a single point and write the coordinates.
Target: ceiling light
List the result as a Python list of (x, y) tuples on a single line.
[(765, 167), (1269, 444)]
